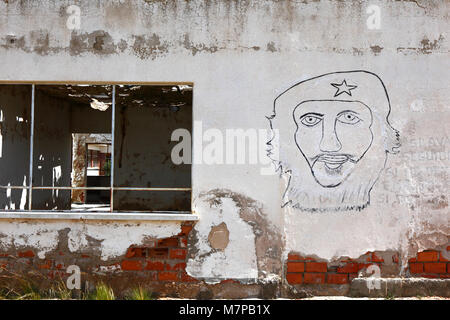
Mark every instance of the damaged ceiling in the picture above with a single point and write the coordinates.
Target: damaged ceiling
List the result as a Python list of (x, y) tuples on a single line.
[(100, 96)]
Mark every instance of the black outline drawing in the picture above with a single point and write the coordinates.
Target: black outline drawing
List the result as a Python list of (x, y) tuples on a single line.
[(348, 88), (389, 141), (331, 154)]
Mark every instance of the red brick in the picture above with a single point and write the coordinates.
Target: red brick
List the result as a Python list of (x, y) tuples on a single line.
[(178, 254), (185, 230), (26, 254), (154, 265), (376, 258), (229, 281), (169, 242), (168, 276), (431, 276), (442, 258), (448, 267), (351, 267), (314, 278), (59, 266), (85, 256), (294, 278), (365, 265), (427, 256), (412, 260), (437, 267), (295, 266), (52, 274), (176, 266), (395, 258), (187, 278), (294, 257), (46, 265), (337, 278), (158, 253), (416, 267), (445, 276), (316, 267), (131, 265), (135, 253)]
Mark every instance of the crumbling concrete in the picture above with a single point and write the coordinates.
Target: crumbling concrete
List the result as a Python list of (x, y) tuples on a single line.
[(399, 287)]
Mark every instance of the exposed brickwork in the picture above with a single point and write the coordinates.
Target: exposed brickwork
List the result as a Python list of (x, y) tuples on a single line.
[(429, 264), (305, 270), (162, 260), (158, 260)]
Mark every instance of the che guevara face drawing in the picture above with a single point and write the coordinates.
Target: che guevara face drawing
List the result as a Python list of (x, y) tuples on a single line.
[(332, 136), (330, 140)]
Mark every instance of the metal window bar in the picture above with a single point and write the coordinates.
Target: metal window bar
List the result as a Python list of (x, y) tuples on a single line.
[(30, 182), (113, 130), (30, 186), (97, 188)]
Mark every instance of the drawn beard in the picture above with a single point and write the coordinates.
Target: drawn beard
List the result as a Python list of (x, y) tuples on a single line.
[(331, 170), (357, 178)]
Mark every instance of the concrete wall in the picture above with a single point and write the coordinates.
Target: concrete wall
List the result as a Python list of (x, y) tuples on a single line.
[(241, 55)]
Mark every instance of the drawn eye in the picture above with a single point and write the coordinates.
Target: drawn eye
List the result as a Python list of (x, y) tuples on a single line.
[(348, 118), (310, 120)]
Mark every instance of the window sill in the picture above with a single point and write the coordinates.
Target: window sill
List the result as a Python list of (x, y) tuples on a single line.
[(150, 216)]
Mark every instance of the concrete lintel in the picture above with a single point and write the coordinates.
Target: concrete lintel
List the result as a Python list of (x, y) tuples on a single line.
[(130, 216), (399, 287)]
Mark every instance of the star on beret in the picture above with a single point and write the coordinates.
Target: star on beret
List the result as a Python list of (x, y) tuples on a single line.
[(343, 87)]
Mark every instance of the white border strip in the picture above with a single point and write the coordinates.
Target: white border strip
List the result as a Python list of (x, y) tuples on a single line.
[(154, 216)]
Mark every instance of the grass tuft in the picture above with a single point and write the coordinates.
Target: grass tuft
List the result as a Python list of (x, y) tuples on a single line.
[(102, 292), (140, 293)]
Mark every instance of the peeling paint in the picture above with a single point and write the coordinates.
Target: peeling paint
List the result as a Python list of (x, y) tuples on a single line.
[(237, 260), (83, 236)]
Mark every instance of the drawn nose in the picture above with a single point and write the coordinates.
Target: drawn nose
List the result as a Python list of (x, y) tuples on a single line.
[(330, 141)]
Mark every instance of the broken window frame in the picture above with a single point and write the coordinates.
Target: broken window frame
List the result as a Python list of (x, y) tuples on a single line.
[(111, 188)]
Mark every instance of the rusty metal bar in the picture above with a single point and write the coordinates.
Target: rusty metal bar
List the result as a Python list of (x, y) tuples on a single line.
[(113, 130), (30, 185)]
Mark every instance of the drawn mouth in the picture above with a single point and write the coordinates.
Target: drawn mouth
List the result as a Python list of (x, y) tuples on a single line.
[(333, 162)]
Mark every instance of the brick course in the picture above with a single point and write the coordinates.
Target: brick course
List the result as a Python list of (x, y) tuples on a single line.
[(300, 270), (157, 260)]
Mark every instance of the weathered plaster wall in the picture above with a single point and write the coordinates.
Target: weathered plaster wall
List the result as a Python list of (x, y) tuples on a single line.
[(83, 237), (240, 55)]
